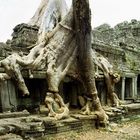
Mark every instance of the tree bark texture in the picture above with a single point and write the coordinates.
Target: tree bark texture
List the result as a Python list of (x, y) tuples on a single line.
[(82, 25), (48, 15)]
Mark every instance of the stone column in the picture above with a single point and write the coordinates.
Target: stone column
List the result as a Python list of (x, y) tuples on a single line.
[(12, 95), (123, 88), (136, 86), (8, 96), (133, 87), (4, 96)]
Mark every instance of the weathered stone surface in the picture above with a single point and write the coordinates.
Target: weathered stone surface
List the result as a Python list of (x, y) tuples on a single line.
[(84, 117), (11, 137), (14, 114), (120, 45), (135, 106), (4, 48), (24, 35), (8, 96), (35, 126)]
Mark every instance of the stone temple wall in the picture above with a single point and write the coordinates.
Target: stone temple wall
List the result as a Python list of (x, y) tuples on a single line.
[(121, 46), (24, 35)]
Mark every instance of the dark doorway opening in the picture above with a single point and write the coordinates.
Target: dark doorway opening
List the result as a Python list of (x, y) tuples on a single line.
[(138, 86), (128, 88), (102, 91), (118, 88), (37, 89), (71, 91)]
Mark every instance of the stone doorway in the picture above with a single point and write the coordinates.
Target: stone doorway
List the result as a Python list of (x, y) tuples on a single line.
[(128, 88), (71, 91), (37, 89), (138, 86)]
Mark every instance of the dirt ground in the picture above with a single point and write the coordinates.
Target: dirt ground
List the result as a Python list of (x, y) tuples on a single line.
[(129, 130)]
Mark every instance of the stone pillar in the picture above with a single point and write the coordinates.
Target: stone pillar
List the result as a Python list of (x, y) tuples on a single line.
[(133, 94), (4, 97), (12, 95), (123, 89), (136, 86), (8, 96)]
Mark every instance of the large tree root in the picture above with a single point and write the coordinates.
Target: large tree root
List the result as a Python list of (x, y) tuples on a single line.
[(13, 71), (56, 106), (102, 117), (93, 107), (111, 78)]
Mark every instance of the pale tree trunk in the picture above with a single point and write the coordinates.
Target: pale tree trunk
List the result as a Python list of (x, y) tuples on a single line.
[(48, 15), (37, 18), (48, 8)]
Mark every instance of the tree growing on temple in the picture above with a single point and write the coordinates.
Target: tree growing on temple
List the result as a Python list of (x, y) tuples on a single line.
[(64, 48)]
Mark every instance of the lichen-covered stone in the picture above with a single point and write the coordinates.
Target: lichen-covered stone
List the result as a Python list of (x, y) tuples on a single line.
[(24, 35), (121, 45)]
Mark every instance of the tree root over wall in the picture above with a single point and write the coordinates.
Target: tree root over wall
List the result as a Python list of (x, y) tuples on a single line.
[(63, 42)]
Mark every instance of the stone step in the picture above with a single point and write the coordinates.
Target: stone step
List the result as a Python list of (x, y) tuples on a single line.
[(24, 113)]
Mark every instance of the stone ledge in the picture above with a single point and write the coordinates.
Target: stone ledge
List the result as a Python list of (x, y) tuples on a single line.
[(34, 126), (14, 114)]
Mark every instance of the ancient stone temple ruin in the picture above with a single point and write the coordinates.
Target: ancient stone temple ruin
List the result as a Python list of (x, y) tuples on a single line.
[(121, 46), (117, 48)]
